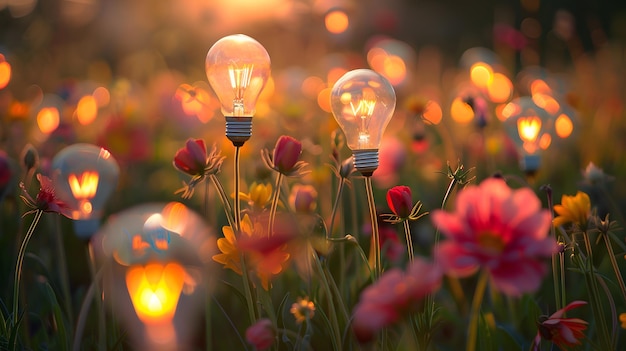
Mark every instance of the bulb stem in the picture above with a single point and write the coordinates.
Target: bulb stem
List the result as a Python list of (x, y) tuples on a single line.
[(238, 129), (366, 161)]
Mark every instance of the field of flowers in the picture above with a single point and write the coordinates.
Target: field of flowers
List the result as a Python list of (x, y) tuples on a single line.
[(326, 183)]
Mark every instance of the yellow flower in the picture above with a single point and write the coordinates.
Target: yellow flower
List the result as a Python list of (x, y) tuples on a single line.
[(303, 309), (264, 263), (573, 209), (259, 195)]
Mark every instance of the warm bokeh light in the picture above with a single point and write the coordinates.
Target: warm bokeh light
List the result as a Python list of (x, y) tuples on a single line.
[(433, 113), (312, 86), (509, 110), (500, 89), (564, 126), (336, 21), (323, 100), (48, 119), (154, 290), (546, 102), (481, 74), (394, 69), (334, 74), (86, 110), (102, 96), (85, 185), (545, 141), (539, 86), (528, 129), (5, 72), (461, 111)]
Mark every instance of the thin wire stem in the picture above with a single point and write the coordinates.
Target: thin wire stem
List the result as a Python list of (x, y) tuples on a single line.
[(375, 245), (20, 261), (333, 214), (274, 205), (409, 240), (618, 274), (228, 210)]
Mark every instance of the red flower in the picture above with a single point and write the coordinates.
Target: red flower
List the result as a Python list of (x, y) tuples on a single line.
[(563, 332), (286, 153), (46, 198), (261, 335), (192, 158), (5, 171), (400, 200)]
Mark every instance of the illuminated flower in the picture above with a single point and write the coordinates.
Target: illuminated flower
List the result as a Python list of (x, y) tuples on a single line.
[(261, 334), (303, 309), (285, 158), (394, 295), (563, 332), (46, 200), (400, 201), (498, 229), (194, 160), (303, 198), (259, 195), (265, 256), (573, 209)]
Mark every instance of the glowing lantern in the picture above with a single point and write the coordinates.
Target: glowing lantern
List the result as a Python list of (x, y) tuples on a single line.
[(85, 175), (527, 125)]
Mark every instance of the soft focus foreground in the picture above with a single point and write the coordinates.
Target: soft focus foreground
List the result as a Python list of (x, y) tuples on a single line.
[(343, 175)]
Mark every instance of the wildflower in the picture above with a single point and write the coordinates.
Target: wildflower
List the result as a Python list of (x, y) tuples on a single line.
[(261, 334), (194, 160), (563, 332), (259, 195), (400, 200), (573, 209), (29, 158), (265, 256), (303, 198), (46, 200), (303, 309), (592, 174), (501, 230), (285, 158), (394, 294)]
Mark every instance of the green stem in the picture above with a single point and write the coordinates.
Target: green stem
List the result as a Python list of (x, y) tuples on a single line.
[(228, 210), (618, 274), (481, 286), (18, 265), (336, 337), (333, 214), (84, 311), (275, 198), (63, 273), (99, 306), (375, 245), (555, 273), (409, 240), (208, 327)]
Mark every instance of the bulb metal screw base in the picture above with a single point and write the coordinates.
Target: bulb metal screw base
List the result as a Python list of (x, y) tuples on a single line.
[(366, 161), (238, 129)]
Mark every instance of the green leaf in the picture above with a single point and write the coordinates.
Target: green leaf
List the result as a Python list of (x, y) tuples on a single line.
[(63, 339)]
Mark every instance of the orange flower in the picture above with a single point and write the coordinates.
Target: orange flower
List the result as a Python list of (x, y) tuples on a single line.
[(303, 309), (573, 209)]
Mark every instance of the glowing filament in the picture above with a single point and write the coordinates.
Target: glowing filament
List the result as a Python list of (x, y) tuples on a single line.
[(239, 81), (154, 290), (85, 186), (528, 128), (364, 109)]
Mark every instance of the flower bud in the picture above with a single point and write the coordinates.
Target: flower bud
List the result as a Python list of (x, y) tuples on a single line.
[(286, 153), (399, 199), (261, 335), (303, 198), (29, 158)]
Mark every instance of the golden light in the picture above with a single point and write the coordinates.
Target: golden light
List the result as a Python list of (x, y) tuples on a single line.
[(564, 126), (481, 74), (154, 290), (394, 69), (500, 89), (323, 100), (433, 113), (460, 111), (539, 86), (312, 86), (102, 96), (87, 110), (5, 72), (509, 110), (336, 21), (48, 119), (528, 129), (546, 102), (334, 74), (85, 185)]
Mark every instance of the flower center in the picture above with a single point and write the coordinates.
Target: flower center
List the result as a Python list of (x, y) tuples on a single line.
[(491, 241)]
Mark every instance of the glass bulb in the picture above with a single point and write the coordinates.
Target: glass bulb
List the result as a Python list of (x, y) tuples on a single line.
[(363, 103), (237, 67), (527, 125), (84, 177)]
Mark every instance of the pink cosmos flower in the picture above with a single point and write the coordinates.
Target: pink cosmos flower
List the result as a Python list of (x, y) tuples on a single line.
[(400, 200), (394, 294), (192, 158), (261, 334), (500, 230), (563, 332), (46, 200)]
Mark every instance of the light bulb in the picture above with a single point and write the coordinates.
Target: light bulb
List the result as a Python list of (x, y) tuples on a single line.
[(237, 67), (84, 177), (155, 259), (363, 103), (527, 125)]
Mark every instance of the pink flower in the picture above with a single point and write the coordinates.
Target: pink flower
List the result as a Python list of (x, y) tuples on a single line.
[(394, 294), (563, 332), (286, 153), (46, 200), (192, 158), (261, 335), (400, 200), (303, 198), (500, 230)]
